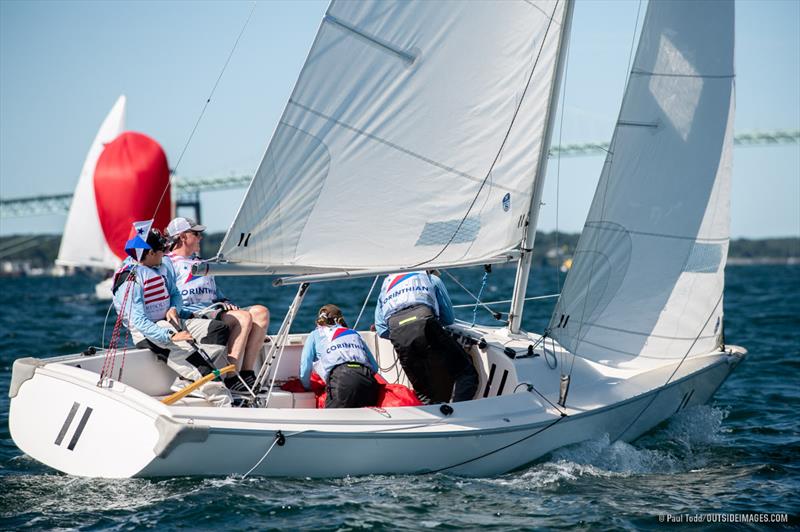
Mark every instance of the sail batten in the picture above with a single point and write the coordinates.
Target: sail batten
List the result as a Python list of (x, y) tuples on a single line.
[(412, 136), (648, 272)]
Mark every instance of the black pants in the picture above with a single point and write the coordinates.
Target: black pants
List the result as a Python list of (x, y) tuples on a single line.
[(433, 361), (351, 386)]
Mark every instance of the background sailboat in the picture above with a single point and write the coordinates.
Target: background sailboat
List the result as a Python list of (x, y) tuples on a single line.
[(122, 179)]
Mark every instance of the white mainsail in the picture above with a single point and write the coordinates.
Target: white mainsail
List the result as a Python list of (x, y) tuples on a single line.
[(648, 273), (83, 242), (412, 137)]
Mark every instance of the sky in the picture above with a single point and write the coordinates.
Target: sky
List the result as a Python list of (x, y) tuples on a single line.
[(63, 65)]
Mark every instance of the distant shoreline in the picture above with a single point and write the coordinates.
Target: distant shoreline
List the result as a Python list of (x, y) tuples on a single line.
[(35, 254), (758, 261)]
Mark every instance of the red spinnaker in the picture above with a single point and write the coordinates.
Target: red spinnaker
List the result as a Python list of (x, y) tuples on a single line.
[(129, 179)]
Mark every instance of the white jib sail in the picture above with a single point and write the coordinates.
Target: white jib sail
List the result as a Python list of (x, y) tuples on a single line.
[(648, 273), (83, 242), (412, 136)]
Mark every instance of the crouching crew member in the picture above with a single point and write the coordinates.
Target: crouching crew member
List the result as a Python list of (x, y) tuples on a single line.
[(202, 298), (146, 296), (412, 307), (340, 356)]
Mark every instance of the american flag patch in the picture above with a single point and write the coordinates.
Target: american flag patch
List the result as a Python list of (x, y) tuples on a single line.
[(155, 290)]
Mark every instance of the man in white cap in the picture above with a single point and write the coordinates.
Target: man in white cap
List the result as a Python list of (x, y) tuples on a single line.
[(202, 298)]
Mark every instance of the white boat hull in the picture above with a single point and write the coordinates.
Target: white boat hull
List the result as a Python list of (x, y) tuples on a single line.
[(60, 417), (102, 290)]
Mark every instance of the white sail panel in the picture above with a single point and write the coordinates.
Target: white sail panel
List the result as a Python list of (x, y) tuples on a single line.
[(400, 113), (648, 273), (83, 242)]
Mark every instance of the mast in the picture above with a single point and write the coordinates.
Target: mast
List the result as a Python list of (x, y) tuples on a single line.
[(524, 264)]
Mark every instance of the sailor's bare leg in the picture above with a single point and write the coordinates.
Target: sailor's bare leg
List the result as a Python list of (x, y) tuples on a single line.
[(239, 323), (255, 340)]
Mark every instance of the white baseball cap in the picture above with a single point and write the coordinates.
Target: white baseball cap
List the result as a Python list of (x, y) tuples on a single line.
[(181, 225)]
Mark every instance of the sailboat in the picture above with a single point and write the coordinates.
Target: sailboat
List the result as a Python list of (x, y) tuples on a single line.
[(122, 178), (417, 138)]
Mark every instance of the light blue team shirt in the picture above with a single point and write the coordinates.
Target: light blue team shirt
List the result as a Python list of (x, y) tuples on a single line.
[(383, 311), (138, 318), (208, 290), (317, 354)]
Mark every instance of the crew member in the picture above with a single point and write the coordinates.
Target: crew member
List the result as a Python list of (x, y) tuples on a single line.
[(203, 298), (146, 296), (411, 309), (340, 356)]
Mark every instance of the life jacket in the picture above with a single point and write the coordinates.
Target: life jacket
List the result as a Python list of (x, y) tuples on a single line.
[(404, 290), (155, 291), (125, 273), (338, 345), (201, 289)]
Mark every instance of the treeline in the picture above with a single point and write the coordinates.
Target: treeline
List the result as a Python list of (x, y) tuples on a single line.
[(41, 250)]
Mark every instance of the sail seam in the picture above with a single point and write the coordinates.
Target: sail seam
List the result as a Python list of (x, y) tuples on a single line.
[(597, 225), (405, 56), (672, 75), (397, 147), (627, 353), (637, 333)]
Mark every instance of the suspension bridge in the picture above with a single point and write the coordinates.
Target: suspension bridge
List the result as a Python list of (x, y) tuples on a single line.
[(187, 190)]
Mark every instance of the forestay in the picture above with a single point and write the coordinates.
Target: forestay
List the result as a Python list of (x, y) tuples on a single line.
[(83, 242), (647, 279), (411, 138)]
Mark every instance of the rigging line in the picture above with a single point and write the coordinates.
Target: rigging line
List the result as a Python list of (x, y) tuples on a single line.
[(572, 365), (476, 298), (105, 322), (558, 193), (502, 144), (540, 394), (666, 383), (532, 298), (633, 41), (390, 368), (553, 351), (277, 438), (108, 312), (480, 293), (529, 436), (558, 197), (205, 106), (371, 288), (532, 388), (558, 163)]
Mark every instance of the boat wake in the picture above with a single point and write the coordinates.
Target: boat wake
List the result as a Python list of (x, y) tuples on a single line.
[(681, 445)]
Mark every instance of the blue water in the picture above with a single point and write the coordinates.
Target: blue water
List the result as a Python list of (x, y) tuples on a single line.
[(737, 455)]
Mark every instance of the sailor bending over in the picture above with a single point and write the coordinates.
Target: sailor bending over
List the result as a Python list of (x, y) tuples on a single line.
[(340, 356), (202, 298), (146, 296), (412, 307)]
